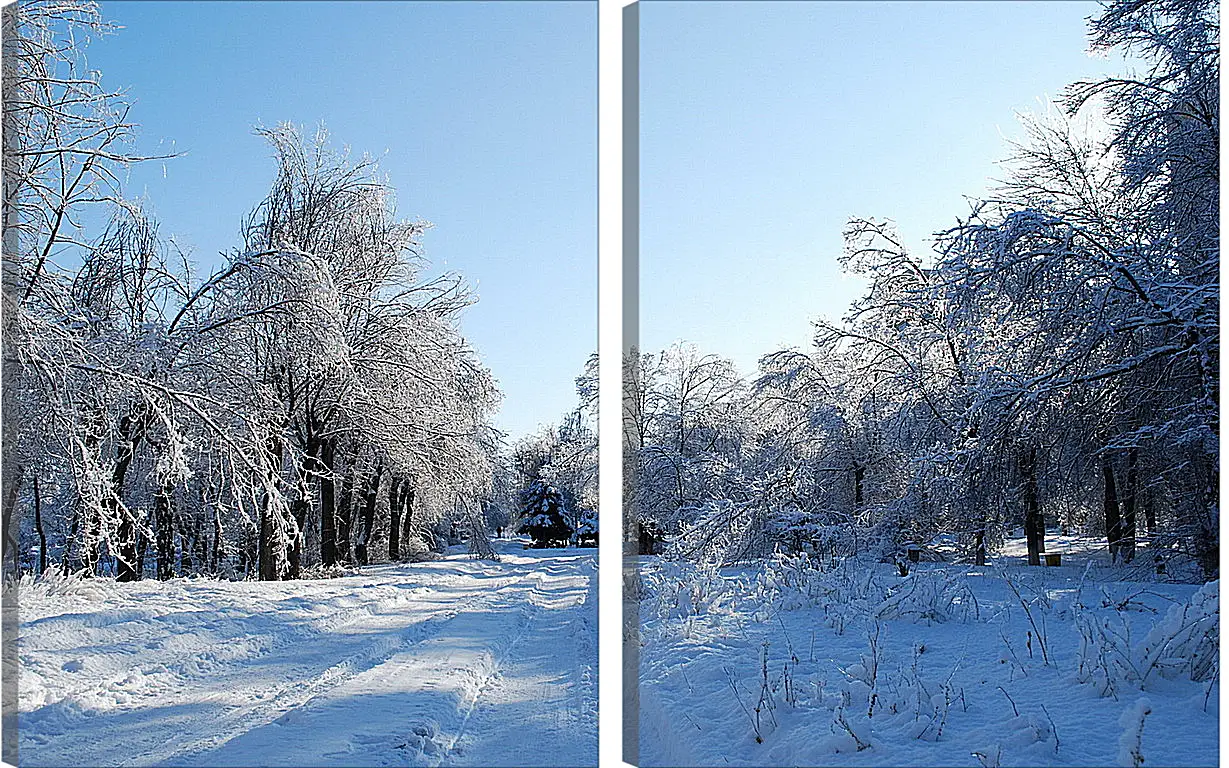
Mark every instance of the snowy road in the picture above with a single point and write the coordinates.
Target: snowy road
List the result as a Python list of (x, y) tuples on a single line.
[(449, 663)]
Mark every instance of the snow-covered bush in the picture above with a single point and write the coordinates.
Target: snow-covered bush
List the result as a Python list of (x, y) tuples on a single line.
[(929, 596), (1181, 644), (1131, 743), (1104, 654), (1184, 643), (678, 590)]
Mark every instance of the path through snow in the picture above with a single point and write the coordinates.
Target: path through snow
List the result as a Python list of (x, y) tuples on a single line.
[(449, 663)]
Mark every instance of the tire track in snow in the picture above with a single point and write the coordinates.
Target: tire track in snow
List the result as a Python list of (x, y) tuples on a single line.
[(252, 657), (300, 694), (540, 600), (290, 697), (483, 685)]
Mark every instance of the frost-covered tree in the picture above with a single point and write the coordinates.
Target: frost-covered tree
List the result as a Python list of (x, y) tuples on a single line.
[(308, 401), (1054, 360)]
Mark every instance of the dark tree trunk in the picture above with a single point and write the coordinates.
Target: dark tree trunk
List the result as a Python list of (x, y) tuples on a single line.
[(1113, 523), (267, 556), (1034, 523), (164, 532), (142, 545), (407, 513), (859, 474), (345, 512), (367, 517), (215, 552), (300, 506), (267, 562), (13, 485), (394, 518), (74, 529), (979, 547), (328, 503), (126, 551), (1127, 547), (38, 526)]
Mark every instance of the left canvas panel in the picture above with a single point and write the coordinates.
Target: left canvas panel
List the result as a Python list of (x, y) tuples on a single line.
[(299, 383)]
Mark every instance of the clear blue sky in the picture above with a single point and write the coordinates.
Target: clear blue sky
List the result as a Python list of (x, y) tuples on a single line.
[(766, 126), (484, 116)]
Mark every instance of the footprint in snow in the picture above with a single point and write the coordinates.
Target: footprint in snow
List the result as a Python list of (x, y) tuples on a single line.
[(76, 665)]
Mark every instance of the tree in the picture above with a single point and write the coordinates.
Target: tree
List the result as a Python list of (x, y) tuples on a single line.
[(544, 515)]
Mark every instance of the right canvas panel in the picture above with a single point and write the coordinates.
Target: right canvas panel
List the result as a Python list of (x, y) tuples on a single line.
[(921, 417)]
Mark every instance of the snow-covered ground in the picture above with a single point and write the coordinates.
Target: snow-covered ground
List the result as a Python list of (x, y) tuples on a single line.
[(453, 662), (785, 664)]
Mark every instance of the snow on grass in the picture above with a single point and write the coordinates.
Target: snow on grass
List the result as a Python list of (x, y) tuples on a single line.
[(791, 664), (452, 662)]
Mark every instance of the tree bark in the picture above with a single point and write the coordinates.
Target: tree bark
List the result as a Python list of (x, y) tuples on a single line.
[(328, 503), (1034, 523), (38, 526), (126, 555), (267, 556), (368, 514), (394, 518), (267, 567), (300, 505), (979, 547), (215, 551), (345, 510), (1127, 547), (407, 514), (12, 478), (1113, 523), (164, 532)]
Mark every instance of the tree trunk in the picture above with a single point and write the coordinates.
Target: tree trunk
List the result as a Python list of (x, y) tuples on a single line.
[(38, 526), (267, 563), (142, 545), (1127, 547), (394, 518), (126, 550), (345, 511), (328, 503), (215, 552), (407, 514), (164, 532), (859, 474), (1113, 524), (1034, 523), (74, 529), (268, 556), (12, 478), (368, 515), (300, 505)]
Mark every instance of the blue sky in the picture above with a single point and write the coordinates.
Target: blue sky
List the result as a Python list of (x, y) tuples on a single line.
[(766, 126), (484, 116)]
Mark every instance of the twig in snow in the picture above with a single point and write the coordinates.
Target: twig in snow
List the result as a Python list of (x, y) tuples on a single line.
[(1053, 728), (1013, 702)]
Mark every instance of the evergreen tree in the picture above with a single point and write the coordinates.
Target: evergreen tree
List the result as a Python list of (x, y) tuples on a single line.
[(543, 515)]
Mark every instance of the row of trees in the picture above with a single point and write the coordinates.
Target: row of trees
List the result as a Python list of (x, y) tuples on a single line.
[(311, 400), (1054, 360)]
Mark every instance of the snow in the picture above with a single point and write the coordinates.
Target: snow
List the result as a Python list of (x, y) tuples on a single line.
[(852, 664), (451, 662)]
